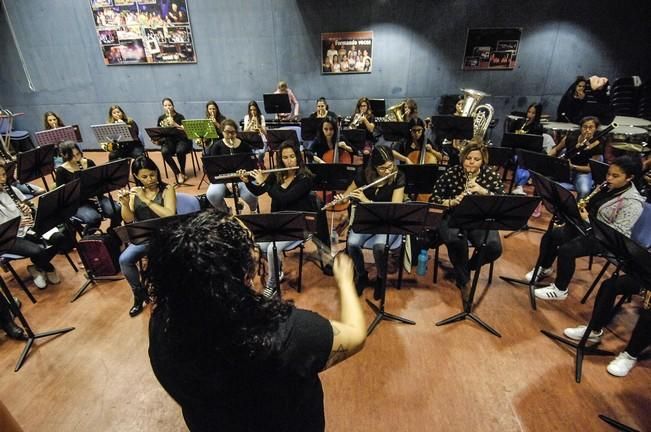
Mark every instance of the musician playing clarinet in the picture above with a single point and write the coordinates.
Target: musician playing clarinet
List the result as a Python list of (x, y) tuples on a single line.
[(229, 145), (289, 191), (616, 203), (392, 189), (472, 177)]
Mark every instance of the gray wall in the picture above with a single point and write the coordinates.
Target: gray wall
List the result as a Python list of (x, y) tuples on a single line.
[(244, 47)]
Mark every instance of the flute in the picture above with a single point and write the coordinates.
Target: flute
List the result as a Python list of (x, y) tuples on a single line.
[(362, 188), (250, 173)]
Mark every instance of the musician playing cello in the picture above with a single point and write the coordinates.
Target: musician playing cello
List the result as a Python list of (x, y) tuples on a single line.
[(472, 177), (414, 144)]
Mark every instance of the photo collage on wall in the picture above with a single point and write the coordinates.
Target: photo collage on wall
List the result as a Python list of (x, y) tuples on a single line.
[(144, 31), (350, 52), (491, 48)]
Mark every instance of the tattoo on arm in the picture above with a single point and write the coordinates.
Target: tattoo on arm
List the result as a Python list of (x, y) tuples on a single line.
[(336, 356)]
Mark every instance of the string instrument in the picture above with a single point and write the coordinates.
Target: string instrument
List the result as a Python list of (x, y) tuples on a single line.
[(335, 156), (588, 144)]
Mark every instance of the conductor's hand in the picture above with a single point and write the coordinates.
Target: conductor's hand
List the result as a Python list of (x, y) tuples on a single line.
[(343, 269), (243, 174)]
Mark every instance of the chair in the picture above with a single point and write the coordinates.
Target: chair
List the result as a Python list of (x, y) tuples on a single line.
[(5, 262), (186, 203), (436, 263), (301, 246), (396, 244), (193, 158)]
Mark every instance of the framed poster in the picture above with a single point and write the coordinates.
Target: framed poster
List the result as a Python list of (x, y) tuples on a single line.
[(491, 48), (143, 31), (348, 52)]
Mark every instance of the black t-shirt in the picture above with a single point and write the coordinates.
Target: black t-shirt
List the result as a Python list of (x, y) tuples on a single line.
[(221, 149), (221, 393), (584, 156), (297, 196), (64, 176), (382, 194)]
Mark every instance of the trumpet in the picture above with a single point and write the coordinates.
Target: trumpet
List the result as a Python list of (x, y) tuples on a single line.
[(250, 173), (334, 202), (356, 120)]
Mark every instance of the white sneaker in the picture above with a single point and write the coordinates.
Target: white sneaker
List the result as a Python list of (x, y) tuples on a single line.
[(53, 277), (39, 277), (577, 333), (518, 190), (542, 273), (550, 292), (622, 365)]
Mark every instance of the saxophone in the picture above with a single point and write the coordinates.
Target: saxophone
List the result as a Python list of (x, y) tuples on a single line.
[(583, 202)]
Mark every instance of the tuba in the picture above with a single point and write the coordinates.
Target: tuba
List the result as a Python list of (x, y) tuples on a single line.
[(481, 114), (396, 112)]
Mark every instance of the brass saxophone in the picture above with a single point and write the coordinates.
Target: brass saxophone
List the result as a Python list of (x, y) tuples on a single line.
[(583, 202)]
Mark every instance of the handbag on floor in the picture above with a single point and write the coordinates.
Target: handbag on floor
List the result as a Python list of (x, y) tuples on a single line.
[(100, 253)]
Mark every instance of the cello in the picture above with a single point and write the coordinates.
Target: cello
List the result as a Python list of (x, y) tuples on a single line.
[(421, 157), (335, 156)]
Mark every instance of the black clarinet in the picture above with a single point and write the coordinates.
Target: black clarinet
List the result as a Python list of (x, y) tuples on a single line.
[(27, 212)]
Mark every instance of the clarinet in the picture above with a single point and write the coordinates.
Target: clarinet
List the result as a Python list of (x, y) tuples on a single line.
[(27, 212)]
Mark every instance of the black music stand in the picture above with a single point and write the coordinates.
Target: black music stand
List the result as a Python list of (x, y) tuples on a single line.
[(555, 168), (617, 425), (8, 232), (116, 133), (141, 232), (158, 133), (253, 139), (529, 142), (103, 179), (216, 167), (453, 127), (562, 205), (378, 107), (633, 259), (394, 131), (56, 207), (310, 127), (389, 218), (501, 212), (599, 171), (280, 226), (275, 137), (420, 179), (331, 177), (36, 163), (356, 138), (277, 103)]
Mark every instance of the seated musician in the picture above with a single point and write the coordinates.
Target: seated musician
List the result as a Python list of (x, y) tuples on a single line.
[(216, 117), (624, 285), (473, 177), (580, 153), (323, 110), (91, 212), (410, 110), (52, 121), (570, 109), (283, 88), (325, 142), (289, 191), (618, 204), (12, 204), (229, 145), (150, 199), (219, 348), (364, 119), (177, 145), (253, 120), (127, 149), (529, 125), (7, 322), (392, 189), (414, 144)]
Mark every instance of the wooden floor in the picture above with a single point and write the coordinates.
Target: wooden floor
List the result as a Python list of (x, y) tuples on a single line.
[(407, 378)]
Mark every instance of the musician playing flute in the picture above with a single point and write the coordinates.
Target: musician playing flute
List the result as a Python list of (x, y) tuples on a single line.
[(229, 145), (617, 203), (12, 204), (392, 189), (472, 177), (289, 191)]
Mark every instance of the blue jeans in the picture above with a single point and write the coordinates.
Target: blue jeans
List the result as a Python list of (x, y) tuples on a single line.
[(128, 260), (268, 248), (89, 215), (581, 183), (217, 192), (375, 241)]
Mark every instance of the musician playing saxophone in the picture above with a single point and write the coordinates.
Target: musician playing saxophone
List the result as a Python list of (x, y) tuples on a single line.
[(618, 204), (289, 191), (392, 189), (472, 177), (581, 153), (12, 204)]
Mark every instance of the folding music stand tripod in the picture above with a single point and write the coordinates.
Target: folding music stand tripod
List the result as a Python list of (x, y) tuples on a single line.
[(276, 103), (200, 129), (331, 177), (55, 136), (280, 226), (389, 218), (36, 163), (8, 232), (562, 205), (420, 179), (217, 168), (501, 212), (116, 133), (394, 131), (633, 259), (310, 128), (103, 179)]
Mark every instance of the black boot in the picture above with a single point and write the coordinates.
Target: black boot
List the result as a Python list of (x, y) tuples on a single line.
[(361, 281), (9, 326), (139, 300), (378, 292)]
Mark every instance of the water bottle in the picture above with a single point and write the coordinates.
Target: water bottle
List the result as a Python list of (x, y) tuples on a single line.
[(422, 263)]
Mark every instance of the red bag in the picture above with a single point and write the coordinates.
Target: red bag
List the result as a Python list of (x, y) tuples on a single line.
[(100, 253)]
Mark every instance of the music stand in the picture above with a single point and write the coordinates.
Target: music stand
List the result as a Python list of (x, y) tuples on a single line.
[(356, 138), (617, 425), (599, 171), (275, 137), (529, 142), (389, 218), (420, 179), (36, 163), (200, 129), (563, 206), (279, 226), (394, 131), (452, 127), (378, 107), (158, 133), (8, 233), (103, 179), (116, 133), (633, 259), (555, 168), (56, 207), (221, 170), (253, 139), (501, 212), (277, 103), (141, 232), (310, 127), (55, 136)]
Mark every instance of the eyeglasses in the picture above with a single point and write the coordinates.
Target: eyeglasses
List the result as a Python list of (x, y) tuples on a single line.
[(417, 130), (229, 132)]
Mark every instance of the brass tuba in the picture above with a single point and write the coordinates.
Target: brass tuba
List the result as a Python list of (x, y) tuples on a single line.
[(482, 114)]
